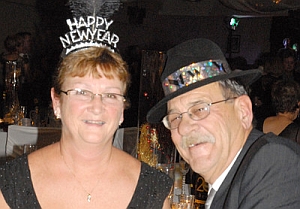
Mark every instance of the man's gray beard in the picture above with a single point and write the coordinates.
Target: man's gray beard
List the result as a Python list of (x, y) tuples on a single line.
[(196, 138)]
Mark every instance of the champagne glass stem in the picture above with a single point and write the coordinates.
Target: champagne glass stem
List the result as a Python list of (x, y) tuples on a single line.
[(184, 168), (183, 184)]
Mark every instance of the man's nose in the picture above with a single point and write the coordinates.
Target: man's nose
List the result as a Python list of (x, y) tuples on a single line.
[(186, 125)]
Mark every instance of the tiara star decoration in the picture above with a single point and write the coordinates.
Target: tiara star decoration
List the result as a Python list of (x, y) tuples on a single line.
[(90, 25)]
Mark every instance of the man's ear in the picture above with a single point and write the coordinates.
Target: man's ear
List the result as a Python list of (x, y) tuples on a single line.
[(244, 106)]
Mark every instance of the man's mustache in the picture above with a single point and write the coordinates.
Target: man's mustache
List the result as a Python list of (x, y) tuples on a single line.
[(195, 139)]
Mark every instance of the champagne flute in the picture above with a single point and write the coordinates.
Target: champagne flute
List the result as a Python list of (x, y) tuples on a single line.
[(29, 148), (184, 168)]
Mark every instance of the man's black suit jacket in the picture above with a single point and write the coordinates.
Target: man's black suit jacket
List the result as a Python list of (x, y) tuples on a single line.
[(265, 175)]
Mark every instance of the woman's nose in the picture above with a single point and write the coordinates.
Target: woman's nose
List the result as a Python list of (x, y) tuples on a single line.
[(96, 105)]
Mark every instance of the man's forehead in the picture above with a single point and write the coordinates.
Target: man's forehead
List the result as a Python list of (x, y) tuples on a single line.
[(211, 88), (205, 93)]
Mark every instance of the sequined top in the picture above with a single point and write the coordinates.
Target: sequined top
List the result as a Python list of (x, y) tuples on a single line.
[(17, 188)]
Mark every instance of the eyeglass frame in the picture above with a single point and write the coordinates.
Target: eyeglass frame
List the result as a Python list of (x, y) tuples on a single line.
[(93, 94), (180, 115)]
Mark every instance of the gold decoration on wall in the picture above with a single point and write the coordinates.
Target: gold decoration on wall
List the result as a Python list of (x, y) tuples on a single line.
[(148, 145)]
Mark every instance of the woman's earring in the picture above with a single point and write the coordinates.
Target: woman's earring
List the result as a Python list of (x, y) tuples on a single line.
[(57, 115), (120, 123)]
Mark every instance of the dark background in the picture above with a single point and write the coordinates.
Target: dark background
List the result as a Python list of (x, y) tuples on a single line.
[(145, 25)]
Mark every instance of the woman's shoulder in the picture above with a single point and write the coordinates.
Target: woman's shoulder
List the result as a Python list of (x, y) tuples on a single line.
[(16, 185), (147, 174), (275, 124), (269, 124), (291, 132), (156, 179), (9, 170), (152, 189), (17, 165), (292, 128), (125, 157)]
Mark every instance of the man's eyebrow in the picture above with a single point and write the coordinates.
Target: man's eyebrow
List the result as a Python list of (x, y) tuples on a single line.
[(193, 102)]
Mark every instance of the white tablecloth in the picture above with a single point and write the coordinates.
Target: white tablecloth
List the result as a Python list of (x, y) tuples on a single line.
[(20, 135), (125, 138), (3, 139)]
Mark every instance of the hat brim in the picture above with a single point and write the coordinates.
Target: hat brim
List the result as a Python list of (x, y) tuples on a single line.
[(246, 77)]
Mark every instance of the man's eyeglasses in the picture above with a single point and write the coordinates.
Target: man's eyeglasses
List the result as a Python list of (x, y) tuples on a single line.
[(82, 95), (196, 112)]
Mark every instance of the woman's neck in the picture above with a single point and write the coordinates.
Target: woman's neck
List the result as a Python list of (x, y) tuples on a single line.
[(90, 159), (287, 116)]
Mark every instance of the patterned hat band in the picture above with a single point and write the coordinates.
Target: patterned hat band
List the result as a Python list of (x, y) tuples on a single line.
[(196, 62), (194, 73)]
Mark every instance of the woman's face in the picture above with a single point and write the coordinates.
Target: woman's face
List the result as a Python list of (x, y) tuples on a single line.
[(289, 64), (94, 120)]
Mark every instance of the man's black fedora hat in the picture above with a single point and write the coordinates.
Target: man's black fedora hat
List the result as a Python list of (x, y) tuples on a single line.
[(193, 64)]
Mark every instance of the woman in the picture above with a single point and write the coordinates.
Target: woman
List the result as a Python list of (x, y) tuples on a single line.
[(13, 44), (261, 90), (84, 170), (285, 100)]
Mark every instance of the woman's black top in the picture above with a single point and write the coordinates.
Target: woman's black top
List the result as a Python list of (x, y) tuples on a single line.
[(16, 186)]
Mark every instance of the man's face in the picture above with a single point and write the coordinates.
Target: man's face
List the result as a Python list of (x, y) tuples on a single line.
[(217, 138), (289, 64)]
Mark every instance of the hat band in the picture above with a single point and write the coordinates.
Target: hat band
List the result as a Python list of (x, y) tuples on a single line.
[(194, 73)]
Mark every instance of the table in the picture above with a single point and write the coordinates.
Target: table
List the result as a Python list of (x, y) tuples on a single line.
[(126, 140), (3, 139), (17, 136)]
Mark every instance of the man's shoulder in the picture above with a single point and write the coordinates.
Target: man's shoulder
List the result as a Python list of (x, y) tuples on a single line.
[(269, 166), (273, 141), (264, 156), (257, 137), (268, 159), (269, 147)]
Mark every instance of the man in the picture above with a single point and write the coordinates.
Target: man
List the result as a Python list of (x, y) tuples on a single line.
[(210, 117)]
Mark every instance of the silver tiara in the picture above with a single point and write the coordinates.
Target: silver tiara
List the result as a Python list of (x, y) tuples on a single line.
[(90, 25)]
